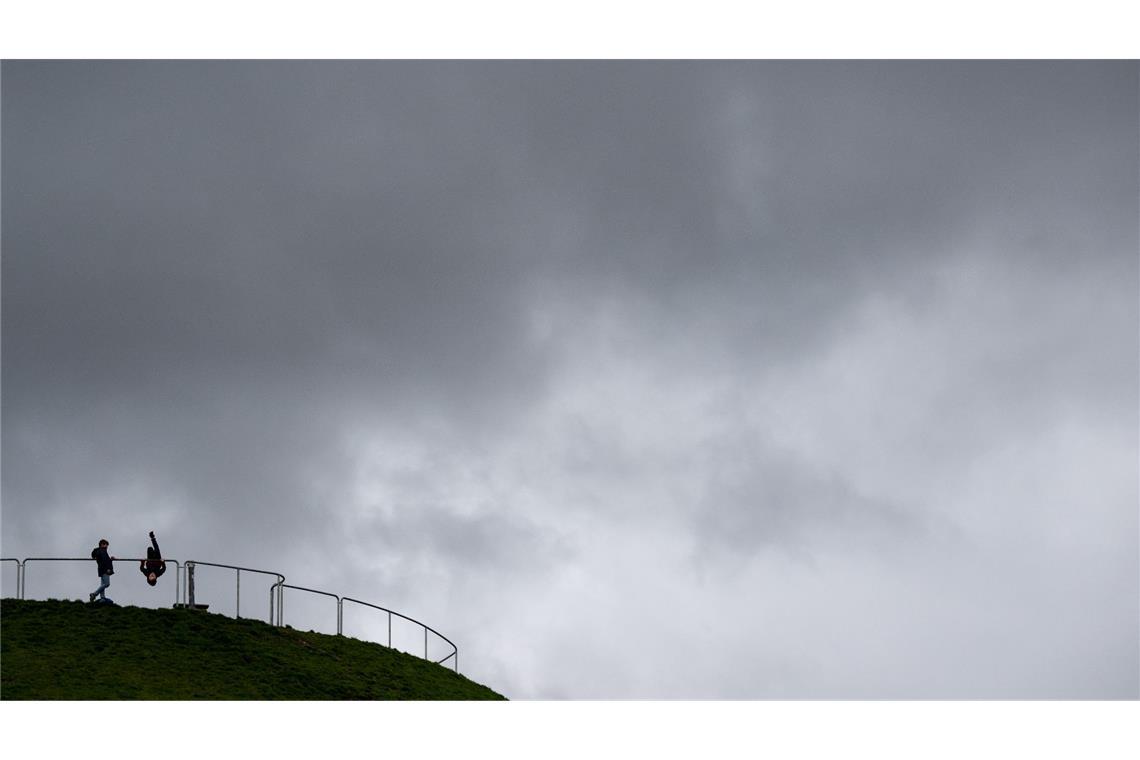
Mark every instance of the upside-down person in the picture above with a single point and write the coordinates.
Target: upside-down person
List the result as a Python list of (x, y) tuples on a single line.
[(153, 566)]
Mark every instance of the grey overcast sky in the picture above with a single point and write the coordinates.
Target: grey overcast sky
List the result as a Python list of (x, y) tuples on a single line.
[(636, 379)]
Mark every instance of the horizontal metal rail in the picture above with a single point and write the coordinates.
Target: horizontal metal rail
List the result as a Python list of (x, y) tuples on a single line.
[(24, 583)]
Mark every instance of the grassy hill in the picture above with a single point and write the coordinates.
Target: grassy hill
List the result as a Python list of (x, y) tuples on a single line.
[(73, 650)]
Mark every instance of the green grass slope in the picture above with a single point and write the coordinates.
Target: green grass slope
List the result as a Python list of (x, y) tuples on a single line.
[(73, 650)]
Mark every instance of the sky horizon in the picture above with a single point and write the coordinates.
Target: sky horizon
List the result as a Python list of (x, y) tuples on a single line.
[(637, 380)]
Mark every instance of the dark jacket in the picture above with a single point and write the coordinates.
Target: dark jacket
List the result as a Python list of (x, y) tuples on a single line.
[(153, 562), (103, 559)]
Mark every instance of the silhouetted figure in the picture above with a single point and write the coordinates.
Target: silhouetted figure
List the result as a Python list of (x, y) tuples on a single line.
[(105, 568), (153, 566)]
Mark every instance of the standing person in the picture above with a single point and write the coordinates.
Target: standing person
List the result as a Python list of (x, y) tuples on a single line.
[(153, 566), (105, 568)]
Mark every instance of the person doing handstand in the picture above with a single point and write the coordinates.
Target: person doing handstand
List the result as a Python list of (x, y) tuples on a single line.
[(153, 566)]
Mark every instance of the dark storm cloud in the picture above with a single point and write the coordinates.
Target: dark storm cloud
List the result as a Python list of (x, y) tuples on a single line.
[(567, 339), (336, 219), (250, 222)]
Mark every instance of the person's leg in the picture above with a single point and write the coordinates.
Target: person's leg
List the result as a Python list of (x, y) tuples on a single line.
[(104, 582)]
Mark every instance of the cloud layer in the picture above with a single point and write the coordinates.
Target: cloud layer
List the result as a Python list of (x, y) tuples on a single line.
[(638, 380)]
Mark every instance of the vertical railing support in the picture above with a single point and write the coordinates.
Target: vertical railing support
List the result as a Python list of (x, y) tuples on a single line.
[(177, 581), (190, 585), (389, 630), (19, 575), (237, 603)]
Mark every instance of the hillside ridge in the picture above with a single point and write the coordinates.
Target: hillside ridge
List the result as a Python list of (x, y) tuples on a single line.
[(78, 651)]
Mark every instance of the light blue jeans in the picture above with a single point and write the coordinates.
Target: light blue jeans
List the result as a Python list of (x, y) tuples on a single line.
[(104, 582)]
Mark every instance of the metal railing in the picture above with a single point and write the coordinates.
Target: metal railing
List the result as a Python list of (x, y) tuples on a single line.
[(188, 590), (22, 577), (19, 575), (183, 573), (454, 649), (339, 631), (340, 600)]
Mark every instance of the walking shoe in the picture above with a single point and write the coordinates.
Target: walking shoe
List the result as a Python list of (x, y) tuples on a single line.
[(90, 597)]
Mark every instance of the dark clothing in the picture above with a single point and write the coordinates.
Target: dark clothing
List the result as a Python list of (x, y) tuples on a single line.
[(103, 561), (153, 562)]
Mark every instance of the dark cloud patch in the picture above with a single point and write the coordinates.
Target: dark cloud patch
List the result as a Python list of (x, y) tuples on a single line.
[(479, 543), (232, 257), (759, 499)]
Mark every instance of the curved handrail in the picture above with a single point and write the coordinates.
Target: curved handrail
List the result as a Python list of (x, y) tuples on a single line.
[(312, 591), (426, 627), (340, 622), (277, 588)]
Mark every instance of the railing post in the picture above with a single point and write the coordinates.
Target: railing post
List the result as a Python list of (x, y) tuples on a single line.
[(339, 616), (389, 630), (177, 580), (425, 642), (237, 604), (190, 585)]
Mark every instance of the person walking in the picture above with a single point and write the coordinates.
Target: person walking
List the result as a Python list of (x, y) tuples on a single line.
[(153, 566), (105, 568)]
